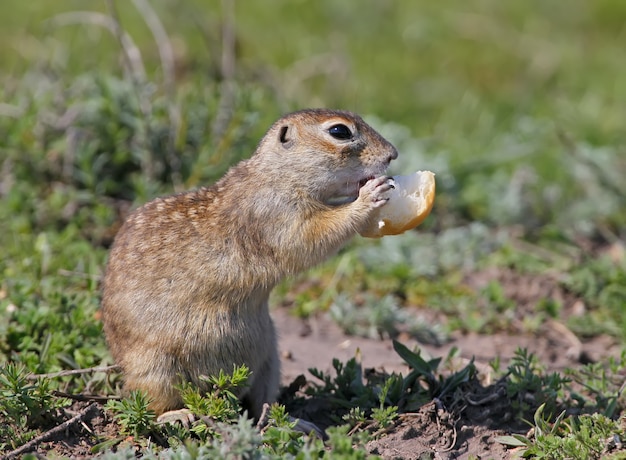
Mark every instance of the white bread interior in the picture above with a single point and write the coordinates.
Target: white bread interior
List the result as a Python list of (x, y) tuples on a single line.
[(410, 202)]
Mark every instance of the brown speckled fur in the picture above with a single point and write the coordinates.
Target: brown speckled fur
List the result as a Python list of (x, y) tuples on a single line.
[(189, 275)]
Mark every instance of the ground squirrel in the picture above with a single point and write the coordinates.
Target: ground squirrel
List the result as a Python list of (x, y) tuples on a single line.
[(189, 275)]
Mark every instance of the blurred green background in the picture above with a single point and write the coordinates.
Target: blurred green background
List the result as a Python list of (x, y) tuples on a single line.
[(414, 62)]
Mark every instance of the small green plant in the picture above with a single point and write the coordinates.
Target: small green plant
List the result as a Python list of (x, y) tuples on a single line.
[(528, 387), (214, 409), (343, 446), (355, 417), (26, 404), (583, 437), (600, 385), (133, 414), (422, 384), (384, 415), (382, 398), (219, 402), (279, 437), (346, 390), (216, 401)]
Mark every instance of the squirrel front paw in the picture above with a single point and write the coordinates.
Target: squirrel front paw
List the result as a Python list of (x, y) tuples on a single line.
[(375, 191)]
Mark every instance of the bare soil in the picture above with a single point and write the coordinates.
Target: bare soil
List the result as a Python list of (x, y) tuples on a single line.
[(436, 431)]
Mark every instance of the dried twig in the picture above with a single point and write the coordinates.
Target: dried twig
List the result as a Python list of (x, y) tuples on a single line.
[(225, 107), (264, 418), (131, 51), (500, 391), (455, 435), (65, 373), (30, 445), (85, 397), (145, 105), (166, 55)]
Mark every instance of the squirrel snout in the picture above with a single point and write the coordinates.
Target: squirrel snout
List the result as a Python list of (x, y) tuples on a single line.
[(392, 156)]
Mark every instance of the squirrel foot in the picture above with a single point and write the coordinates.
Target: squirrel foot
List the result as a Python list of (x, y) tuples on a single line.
[(183, 416), (308, 428)]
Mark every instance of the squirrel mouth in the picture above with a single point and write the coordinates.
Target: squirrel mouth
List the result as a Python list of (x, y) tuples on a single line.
[(362, 182), (351, 196)]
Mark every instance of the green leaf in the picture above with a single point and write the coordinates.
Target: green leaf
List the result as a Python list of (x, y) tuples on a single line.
[(514, 441), (412, 359)]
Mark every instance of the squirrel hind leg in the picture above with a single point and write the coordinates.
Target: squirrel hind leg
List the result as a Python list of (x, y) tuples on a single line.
[(161, 392), (265, 386)]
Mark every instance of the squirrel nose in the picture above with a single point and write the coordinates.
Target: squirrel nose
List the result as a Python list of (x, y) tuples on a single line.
[(392, 156)]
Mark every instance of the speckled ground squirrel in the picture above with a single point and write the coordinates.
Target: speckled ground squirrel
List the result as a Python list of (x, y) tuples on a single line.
[(188, 278)]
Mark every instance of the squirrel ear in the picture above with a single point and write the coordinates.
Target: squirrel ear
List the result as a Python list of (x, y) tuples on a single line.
[(285, 136)]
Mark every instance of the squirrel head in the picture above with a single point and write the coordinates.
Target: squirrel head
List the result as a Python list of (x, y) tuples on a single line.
[(335, 152)]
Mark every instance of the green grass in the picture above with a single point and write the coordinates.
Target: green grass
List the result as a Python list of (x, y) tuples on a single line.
[(517, 107)]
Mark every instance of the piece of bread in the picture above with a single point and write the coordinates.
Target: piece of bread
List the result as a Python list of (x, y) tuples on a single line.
[(409, 204)]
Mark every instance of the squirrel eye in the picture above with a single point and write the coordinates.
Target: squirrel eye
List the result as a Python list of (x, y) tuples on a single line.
[(341, 132)]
